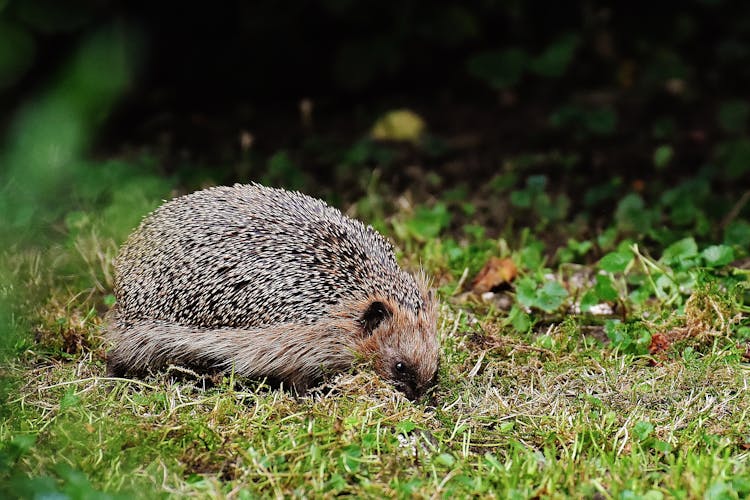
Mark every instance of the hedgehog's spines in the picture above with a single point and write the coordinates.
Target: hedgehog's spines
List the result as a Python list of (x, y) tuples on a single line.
[(245, 269)]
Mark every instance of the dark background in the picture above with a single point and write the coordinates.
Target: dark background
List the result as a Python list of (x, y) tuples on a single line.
[(601, 99)]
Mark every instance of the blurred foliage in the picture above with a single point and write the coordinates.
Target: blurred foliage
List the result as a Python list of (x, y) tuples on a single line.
[(50, 194), (399, 125), (48, 135), (359, 45), (664, 80)]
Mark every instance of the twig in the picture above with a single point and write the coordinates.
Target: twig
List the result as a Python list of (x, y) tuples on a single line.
[(736, 209), (461, 281), (96, 379)]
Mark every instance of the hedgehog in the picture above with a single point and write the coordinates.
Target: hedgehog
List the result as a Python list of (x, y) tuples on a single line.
[(268, 284)]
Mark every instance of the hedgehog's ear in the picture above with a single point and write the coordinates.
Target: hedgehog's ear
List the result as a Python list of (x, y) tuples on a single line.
[(375, 314)]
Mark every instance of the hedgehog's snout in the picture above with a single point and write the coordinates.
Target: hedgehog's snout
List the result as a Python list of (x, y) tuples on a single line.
[(412, 391), (403, 350), (405, 377)]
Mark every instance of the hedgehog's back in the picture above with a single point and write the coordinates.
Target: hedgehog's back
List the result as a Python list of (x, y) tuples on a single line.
[(247, 256)]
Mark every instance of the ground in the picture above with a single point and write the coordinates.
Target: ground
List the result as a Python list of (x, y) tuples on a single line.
[(616, 374)]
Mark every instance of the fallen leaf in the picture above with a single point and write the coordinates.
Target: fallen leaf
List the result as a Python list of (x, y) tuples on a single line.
[(659, 343), (399, 125), (495, 273)]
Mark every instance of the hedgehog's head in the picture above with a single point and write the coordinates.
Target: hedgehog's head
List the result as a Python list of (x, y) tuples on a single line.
[(402, 343)]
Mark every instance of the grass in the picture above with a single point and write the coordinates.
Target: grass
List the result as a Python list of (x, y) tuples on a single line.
[(567, 405), (526, 423)]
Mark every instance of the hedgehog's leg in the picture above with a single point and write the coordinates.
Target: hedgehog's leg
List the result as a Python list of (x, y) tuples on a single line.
[(116, 367), (124, 358), (116, 363), (145, 344)]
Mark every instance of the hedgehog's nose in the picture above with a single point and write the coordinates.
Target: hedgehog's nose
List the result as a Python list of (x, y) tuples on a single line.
[(419, 391), (410, 390), (414, 392)]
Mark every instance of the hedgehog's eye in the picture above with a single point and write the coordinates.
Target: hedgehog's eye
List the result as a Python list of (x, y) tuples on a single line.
[(400, 368), (374, 315)]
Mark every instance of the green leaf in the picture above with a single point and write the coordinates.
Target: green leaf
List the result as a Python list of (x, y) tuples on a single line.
[(735, 157), (350, 457), (680, 251), (720, 491), (616, 262), (618, 333), (733, 116), (718, 255), (468, 208), (445, 459), (526, 292), (405, 426), (336, 483), (589, 299), (580, 248), (631, 214), (662, 156), (492, 461), (281, 170), (69, 399), (738, 233), (545, 341), (502, 182), (743, 333), (642, 430), (742, 485), (652, 495), (606, 240), (551, 296), (556, 58), (408, 488), (498, 68), (109, 300), (553, 209), (641, 337), (661, 446), (428, 223), (536, 183), (605, 289), (601, 121), (641, 294), (531, 256), (520, 321), (521, 198)]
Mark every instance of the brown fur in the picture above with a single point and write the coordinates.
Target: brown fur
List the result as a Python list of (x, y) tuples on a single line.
[(406, 337), (300, 355)]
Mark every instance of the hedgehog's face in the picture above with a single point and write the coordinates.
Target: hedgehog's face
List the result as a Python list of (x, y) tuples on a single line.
[(403, 344)]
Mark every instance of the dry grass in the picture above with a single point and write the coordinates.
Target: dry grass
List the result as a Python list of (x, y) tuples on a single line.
[(524, 419)]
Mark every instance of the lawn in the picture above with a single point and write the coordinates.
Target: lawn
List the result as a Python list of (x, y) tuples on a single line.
[(595, 368)]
